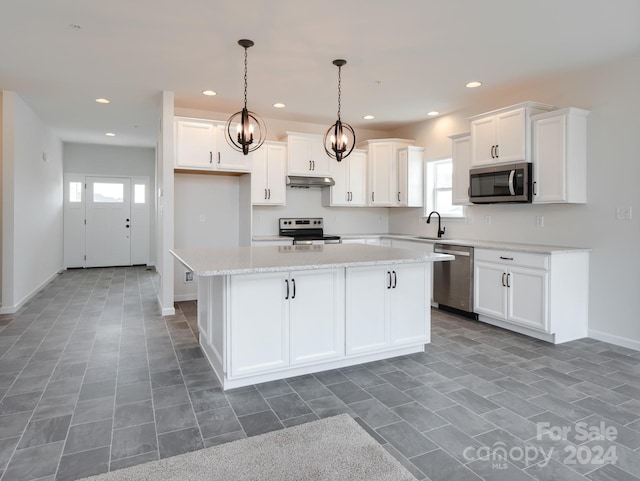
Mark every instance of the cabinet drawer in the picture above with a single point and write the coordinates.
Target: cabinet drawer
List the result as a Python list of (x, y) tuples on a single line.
[(525, 259)]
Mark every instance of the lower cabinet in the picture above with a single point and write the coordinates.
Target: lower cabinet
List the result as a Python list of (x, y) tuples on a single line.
[(543, 295), (285, 318), (386, 306)]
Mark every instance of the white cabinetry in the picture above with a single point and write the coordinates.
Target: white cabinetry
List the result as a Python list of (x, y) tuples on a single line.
[(384, 188), (268, 183), (285, 318), (538, 294), (350, 176), (560, 156), (461, 161), (410, 177), (503, 135), (306, 155), (200, 145), (386, 307)]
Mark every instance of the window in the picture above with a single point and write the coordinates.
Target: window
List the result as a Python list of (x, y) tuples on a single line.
[(139, 194), (75, 192), (439, 189), (108, 193)]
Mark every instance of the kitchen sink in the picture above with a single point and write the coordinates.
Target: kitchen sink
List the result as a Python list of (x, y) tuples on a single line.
[(428, 238)]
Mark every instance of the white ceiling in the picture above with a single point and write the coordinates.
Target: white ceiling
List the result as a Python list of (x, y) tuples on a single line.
[(405, 58)]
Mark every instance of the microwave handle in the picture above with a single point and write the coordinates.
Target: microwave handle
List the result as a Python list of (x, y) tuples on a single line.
[(511, 187)]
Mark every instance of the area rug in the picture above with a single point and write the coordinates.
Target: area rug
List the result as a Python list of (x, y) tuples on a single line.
[(332, 449)]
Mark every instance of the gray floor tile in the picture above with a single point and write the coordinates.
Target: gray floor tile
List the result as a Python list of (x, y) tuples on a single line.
[(132, 441), (349, 392), (509, 421), (131, 414), (93, 410), (516, 404), (7, 447), (218, 422), (224, 438), (489, 468), (134, 460), (247, 402), (363, 378), (307, 418), (274, 388), (439, 466), (289, 406), (33, 463), (552, 470), (45, 431), (170, 396), (88, 436), (13, 424), (309, 388), (140, 391), (329, 377), (174, 418), (179, 442), (569, 411), (518, 388), (465, 419), (438, 382), (19, 403), (328, 406), (419, 417), (607, 410), (455, 442), (374, 413), (95, 390), (401, 380), (260, 423), (430, 398), (166, 378), (408, 465), (407, 440), (81, 465)]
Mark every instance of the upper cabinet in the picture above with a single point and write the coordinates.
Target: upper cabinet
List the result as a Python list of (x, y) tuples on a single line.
[(503, 135), (306, 155), (350, 176), (410, 177), (560, 156), (461, 161), (268, 174), (200, 144), (384, 189)]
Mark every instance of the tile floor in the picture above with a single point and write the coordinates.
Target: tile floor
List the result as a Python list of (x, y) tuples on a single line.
[(92, 379)]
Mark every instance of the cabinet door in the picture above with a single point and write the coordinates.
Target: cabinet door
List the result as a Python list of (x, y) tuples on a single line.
[(527, 290), (276, 174), (259, 177), (227, 158), (461, 161), (367, 316), (259, 333), (409, 304), (511, 136), (316, 315), (321, 165), (195, 144), (483, 140), (490, 291), (549, 173), (357, 178), (402, 190), (382, 174), (299, 153), (340, 193)]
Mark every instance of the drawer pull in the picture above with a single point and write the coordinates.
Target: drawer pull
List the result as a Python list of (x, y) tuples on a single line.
[(506, 258)]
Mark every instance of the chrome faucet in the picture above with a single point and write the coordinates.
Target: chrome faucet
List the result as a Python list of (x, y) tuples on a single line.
[(440, 230)]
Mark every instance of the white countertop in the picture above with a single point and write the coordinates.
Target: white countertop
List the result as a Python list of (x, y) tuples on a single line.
[(247, 260)]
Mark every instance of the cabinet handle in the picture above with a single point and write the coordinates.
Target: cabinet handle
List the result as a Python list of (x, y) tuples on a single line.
[(492, 150), (506, 258), (265, 194), (287, 283), (534, 188), (350, 196), (218, 157), (395, 279), (269, 190), (509, 280), (211, 157), (373, 196), (309, 165), (293, 281), (389, 275), (503, 276), (313, 164), (398, 196)]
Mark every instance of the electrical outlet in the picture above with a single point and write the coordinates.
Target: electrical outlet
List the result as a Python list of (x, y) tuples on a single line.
[(487, 219), (188, 276), (469, 220), (540, 221), (623, 213)]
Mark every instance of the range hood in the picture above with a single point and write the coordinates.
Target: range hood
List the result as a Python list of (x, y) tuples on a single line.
[(301, 182)]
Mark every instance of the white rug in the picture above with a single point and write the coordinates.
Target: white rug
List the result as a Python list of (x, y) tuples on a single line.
[(332, 449)]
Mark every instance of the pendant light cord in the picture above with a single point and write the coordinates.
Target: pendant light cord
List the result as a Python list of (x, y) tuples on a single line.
[(245, 77), (339, 90)]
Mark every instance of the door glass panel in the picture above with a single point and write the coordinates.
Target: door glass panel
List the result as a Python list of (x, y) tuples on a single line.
[(108, 193), (75, 192), (139, 195)]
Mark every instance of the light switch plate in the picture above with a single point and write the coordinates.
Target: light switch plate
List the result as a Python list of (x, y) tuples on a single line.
[(623, 213), (487, 219), (540, 220)]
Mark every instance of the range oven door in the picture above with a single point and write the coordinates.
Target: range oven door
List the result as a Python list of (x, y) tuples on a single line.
[(502, 183)]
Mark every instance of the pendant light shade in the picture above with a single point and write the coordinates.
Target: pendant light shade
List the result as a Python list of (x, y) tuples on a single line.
[(245, 130), (340, 138)]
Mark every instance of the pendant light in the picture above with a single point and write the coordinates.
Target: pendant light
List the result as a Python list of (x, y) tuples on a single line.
[(340, 137), (250, 131)]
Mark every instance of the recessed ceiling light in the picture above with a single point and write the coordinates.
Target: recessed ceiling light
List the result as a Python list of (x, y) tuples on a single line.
[(474, 84), (75, 26), (433, 113), (209, 93), (279, 105), (110, 134), (368, 117), (103, 101)]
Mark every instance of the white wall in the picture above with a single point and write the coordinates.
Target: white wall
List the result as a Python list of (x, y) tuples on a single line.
[(109, 160), (32, 203), (610, 92)]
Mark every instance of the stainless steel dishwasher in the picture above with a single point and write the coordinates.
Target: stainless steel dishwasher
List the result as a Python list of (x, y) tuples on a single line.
[(453, 280)]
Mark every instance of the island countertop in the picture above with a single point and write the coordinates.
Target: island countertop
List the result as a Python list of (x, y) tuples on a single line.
[(248, 260)]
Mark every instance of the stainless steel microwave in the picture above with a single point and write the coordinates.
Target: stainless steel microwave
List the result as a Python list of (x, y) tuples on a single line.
[(501, 183)]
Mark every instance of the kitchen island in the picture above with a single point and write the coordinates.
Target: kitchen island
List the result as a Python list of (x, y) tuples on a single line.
[(271, 312)]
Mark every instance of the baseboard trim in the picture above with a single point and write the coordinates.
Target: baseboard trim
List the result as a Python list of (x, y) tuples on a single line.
[(185, 297), (166, 311), (14, 308), (613, 339)]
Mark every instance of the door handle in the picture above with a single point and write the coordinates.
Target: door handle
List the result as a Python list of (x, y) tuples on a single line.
[(293, 281), (509, 279), (395, 279), (503, 283), (506, 258), (286, 281)]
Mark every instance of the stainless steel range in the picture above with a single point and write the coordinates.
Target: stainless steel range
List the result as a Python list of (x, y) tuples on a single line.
[(306, 231)]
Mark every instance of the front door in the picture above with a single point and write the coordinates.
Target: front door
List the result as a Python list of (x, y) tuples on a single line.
[(108, 221)]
